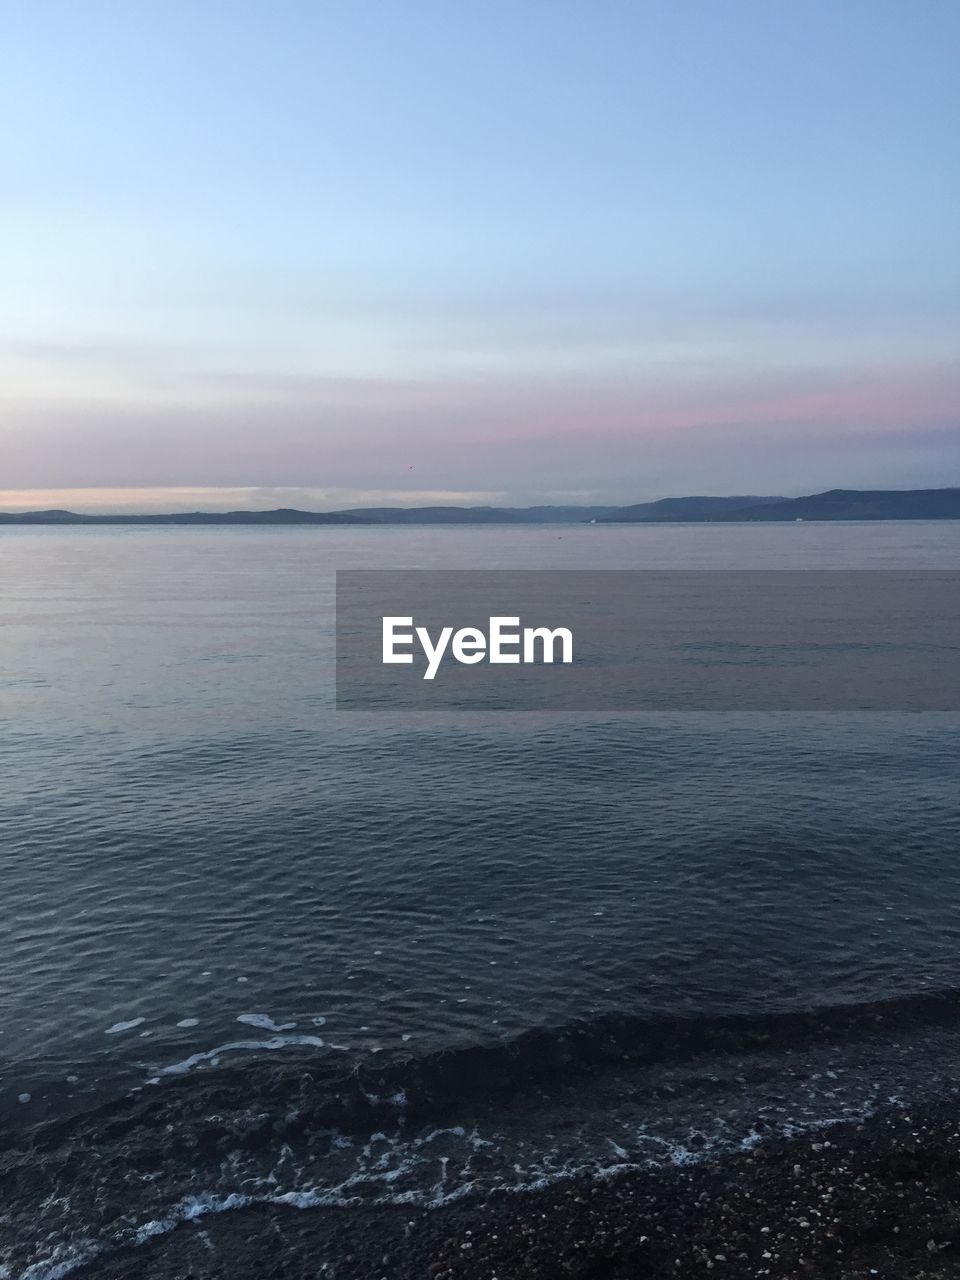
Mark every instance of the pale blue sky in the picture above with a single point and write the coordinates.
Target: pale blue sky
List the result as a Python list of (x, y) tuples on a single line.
[(527, 249)]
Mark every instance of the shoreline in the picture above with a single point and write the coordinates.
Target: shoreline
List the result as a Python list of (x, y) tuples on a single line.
[(872, 1198)]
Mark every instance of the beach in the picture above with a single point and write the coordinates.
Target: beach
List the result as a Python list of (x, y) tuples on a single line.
[(880, 1198)]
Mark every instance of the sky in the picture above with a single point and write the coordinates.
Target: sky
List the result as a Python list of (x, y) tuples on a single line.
[(361, 251)]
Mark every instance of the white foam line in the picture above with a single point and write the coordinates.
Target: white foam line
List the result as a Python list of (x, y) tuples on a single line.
[(198, 1206), (235, 1046), (264, 1022), (189, 1210), (123, 1026), (63, 1261)]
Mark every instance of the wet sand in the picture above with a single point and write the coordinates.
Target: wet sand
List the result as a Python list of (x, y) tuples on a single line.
[(875, 1199)]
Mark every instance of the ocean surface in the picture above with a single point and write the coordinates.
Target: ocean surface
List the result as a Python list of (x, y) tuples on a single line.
[(254, 949)]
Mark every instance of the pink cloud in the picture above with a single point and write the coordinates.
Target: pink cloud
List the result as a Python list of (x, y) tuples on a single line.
[(474, 434)]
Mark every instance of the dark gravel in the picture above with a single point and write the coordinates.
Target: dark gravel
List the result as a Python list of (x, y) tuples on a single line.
[(877, 1199)]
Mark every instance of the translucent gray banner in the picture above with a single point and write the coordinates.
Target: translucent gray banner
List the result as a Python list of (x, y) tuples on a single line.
[(648, 640)]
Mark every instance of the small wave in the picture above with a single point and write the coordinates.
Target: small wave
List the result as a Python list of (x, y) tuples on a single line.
[(301, 1090), (436, 1083)]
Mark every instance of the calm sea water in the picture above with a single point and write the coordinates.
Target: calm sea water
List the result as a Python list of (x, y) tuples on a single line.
[(343, 955)]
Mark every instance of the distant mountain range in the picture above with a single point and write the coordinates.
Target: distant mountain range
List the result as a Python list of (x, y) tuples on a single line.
[(282, 515), (480, 515), (836, 504), (859, 504), (672, 509)]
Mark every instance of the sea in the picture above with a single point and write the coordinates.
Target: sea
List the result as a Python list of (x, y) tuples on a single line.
[(256, 950)]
